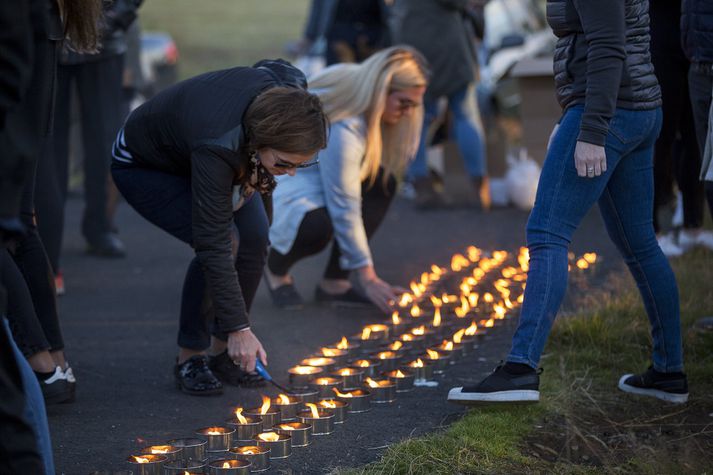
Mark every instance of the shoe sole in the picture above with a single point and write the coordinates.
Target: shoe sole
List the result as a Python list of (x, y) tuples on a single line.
[(657, 393), (520, 396)]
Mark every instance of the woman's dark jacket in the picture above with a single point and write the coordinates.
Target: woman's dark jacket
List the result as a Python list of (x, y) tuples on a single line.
[(602, 60), (194, 129), (697, 30)]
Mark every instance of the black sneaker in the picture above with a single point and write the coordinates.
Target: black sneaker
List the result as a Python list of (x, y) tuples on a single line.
[(350, 298), (55, 388), (670, 387), (229, 373), (285, 297), (500, 387), (194, 377)]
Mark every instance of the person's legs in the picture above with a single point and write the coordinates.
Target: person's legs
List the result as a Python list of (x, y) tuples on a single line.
[(253, 240), (418, 172)]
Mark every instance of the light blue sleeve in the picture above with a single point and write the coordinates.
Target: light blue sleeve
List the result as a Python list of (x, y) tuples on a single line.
[(340, 166)]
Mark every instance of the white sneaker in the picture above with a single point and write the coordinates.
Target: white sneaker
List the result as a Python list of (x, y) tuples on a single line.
[(690, 239), (668, 245)]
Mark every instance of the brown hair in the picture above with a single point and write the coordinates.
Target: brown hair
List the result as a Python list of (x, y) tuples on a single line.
[(82, 20), (287, 119)]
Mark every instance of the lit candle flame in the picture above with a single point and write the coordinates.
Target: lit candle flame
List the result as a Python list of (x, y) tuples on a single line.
[(407, 337), (239, 416), (436, 301), (366, 333), (313, 409), (304, 370), (138, 459), (432, 354), (345, 372), (414, 364), (425, 278), (447, 345), (344, 344), (215, 431), (269, 436), (395, 346), (490, 323), (340, 394), (399, 374), (405, 300), (590, 257), (582, 264), (362, 363), (473, 253), (415, 311), (472, 329), (284, 399), (437, 317), (160, 449), (395, 318), (318, 361), (328, 403), (458, 262), (265, 405), (371, 383), (384, 355), (419, 330), (250, 450), (330, 352), (473, 300), (226, 464), (323, 381), (488, 297), (458, 336)]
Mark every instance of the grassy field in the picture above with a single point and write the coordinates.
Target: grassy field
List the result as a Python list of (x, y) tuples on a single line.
[(214, 34), (584, 424)]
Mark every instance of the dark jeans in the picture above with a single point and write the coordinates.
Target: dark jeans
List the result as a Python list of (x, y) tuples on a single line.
[(625, 196), (165, 200), (681, 161), (316, 232), (700, 84), (98, 86)]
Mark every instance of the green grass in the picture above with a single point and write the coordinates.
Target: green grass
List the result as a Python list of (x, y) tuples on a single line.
[(583, 424), (215, 34)]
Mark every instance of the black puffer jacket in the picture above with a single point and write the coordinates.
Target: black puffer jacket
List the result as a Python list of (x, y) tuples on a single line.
[(194, 129), (697, 30), (602, 60)]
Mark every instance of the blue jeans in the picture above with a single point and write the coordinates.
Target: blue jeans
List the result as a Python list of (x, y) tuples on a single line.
[(165, 200), (35, 413), (466, 132), (625, 197)]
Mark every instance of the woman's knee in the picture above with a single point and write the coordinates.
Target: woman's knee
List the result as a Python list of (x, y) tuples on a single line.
[(316, 230)]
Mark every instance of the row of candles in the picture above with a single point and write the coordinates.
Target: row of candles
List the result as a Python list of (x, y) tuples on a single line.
[(430, 328)]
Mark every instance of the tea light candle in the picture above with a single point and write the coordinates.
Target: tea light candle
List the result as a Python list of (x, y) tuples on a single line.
[(369, 367), (306, 395), (338, 355), (287, 406), (376, 331), (218, 438), (191, 448), (429, 336), (400, 347), (327, 364), (438, 360), (229, 467), (351, 347), (389, 360), (245, 427), (382, 391), (300, 376), (258, 456), (403, 380), (183, 467), (454, 350), (298, 431), (147, 464), (351, 377), (321, 420), (417, 342), (280, 445), (172, 453), (338, 408), (359, 400), (398, 324), (422, 370), (270, 416), (325, 384)]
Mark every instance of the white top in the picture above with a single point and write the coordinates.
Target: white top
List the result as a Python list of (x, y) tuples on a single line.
[(335, 184)]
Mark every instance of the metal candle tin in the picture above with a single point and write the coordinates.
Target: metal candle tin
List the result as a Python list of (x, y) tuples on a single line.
[(306, 394), (246, 432), (338, 355), (383, 392), (424, 372), (325, 384), (404, 380), (229, 467), (299, 431), (338, 408), (288, 407), (181, 467), (258, 456), (389, 360), (370, 367), (322, 425), (172, 453), (351, 377), (192, 448), (439, 364), (218, 438), (300, 376), (376, 331), (327, 364), (280, 448), (269, 419), (359, 400), (147, 464)]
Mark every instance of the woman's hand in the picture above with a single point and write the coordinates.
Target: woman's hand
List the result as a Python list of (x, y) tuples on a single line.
[(589, 159), (379, 292), (244, 348)]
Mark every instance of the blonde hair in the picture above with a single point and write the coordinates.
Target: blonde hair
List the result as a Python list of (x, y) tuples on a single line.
[(348, 90)]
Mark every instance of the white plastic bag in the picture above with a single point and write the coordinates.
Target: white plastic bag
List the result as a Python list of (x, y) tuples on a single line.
[(521, 180)]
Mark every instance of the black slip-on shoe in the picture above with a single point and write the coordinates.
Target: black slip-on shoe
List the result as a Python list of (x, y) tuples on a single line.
[(670, 387), (229, 373), (350, 298), (194, 377), (500, 387), (56, 389), (285, 296)]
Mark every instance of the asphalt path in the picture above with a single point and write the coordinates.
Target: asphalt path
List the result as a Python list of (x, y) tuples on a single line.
[(120, 319)]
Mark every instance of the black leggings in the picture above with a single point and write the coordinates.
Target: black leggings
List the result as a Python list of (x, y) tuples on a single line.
[(316, 231)]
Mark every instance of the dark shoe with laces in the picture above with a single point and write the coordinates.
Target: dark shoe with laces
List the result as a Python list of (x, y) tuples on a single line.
[(350, 298), (194, 377), (670, 387), (55, 387), (229, 373), (501, 386), (285, 297)]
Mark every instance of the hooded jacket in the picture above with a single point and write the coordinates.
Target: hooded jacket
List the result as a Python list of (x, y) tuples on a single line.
[(194, 129)]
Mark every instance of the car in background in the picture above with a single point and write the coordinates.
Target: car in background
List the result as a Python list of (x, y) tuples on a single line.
[(158, 59)]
